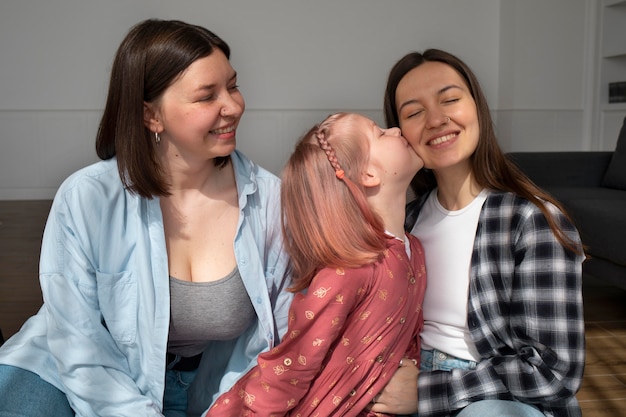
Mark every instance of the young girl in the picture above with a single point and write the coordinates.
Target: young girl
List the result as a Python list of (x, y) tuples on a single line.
[(361, 278)]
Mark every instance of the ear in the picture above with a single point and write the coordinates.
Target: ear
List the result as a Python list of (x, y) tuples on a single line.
[(150, 118), (369, 180)]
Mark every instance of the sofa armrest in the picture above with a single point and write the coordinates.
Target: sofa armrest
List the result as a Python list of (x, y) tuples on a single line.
[(563, 169)]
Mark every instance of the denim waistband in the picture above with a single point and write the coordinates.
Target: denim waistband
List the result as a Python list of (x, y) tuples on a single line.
[(436, 360), (181, 363)]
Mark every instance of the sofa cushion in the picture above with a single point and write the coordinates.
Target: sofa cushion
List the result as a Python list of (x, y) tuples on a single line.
[(599, 215), (615, 176), (602, 227), (567, 194)]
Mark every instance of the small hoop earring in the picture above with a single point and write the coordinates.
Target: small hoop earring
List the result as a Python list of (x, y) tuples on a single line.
[(157, 138)]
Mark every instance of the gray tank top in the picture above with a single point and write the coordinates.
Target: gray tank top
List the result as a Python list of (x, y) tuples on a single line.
[(206, 311)]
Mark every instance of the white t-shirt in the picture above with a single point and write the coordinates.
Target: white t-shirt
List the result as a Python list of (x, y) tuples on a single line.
[(448, 240)]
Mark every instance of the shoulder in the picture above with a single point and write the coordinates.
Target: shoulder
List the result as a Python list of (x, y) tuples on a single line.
[(507, 205), (347, 285), (90, 206), (342, 277), (504, 211), (361, 271), (92, 184), (510, 205), (94, 172)]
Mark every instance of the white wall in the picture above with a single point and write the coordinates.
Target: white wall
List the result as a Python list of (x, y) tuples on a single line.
[(543, 77), (297, 61)]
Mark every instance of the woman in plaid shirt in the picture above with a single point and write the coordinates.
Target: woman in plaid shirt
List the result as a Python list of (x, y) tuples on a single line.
[(503, 332)]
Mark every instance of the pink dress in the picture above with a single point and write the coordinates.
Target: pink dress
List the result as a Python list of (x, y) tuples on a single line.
[(345, 339)]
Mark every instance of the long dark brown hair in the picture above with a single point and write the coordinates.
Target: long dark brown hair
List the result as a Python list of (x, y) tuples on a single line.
[(490, 166), (151, 56)]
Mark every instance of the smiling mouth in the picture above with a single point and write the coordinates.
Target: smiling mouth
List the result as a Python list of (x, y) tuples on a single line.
[(223, 130), (442, 139)]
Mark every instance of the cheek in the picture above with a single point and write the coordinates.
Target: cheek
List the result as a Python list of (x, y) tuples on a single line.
[(410, 133), (203, 117), (414, 144), (177, 114), (474, 134), (469, 115)]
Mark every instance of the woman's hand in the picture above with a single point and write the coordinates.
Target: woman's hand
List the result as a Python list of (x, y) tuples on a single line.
[(400, 394)]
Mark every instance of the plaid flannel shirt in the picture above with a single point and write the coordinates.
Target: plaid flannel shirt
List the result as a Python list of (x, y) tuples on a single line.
[(525, 315)]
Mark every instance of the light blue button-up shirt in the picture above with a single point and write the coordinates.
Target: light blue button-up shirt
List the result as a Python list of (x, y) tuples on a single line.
[(101, 334)]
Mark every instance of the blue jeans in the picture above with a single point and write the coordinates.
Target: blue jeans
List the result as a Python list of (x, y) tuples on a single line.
[(176, 389), (436, 360), (25, 394), (499, 408), (433, 360)]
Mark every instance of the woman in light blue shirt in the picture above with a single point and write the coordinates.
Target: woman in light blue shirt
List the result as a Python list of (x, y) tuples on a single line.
[(162, 267)]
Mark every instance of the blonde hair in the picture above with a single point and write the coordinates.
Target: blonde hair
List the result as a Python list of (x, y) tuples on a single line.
[(326, 219)]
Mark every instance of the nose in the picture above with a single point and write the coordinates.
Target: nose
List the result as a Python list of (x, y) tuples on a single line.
[(231, 106), (437, 118), (395, 131)]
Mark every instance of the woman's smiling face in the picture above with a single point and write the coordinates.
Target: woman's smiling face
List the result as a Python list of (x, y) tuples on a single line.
[(438, 115), (200, 111)]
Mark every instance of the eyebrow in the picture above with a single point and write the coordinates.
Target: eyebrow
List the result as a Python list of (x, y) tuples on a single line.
[(440, 92)]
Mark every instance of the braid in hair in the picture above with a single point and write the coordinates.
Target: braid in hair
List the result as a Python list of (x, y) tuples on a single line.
[(320, 135)]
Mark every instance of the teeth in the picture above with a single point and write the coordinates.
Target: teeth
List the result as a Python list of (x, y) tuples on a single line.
[(222, 131), (442, 139)]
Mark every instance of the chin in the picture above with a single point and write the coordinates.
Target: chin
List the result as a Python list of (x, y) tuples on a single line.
[(226, 148)]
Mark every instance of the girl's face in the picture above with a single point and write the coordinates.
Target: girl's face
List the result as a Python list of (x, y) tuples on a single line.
[(200, 111), (390, 155), (438, 116)]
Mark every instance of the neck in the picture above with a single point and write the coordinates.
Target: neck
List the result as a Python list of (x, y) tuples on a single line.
[(391, 208), (456, 188), (204, 176)]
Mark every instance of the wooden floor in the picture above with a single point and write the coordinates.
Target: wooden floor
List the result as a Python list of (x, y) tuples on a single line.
[(603, 393)]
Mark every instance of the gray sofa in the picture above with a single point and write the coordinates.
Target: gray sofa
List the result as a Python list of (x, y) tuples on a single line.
[(592, 187)]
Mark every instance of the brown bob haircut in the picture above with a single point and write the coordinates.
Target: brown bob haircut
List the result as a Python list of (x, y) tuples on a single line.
[(150, 58), (491, 168)]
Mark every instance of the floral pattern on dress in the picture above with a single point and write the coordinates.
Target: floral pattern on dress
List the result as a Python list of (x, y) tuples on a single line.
[(346, 337)]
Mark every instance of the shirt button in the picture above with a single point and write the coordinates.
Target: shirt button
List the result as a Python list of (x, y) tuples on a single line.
[(287, 362), (412, 280), (403, 320), (379, 358), (352, 393)]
